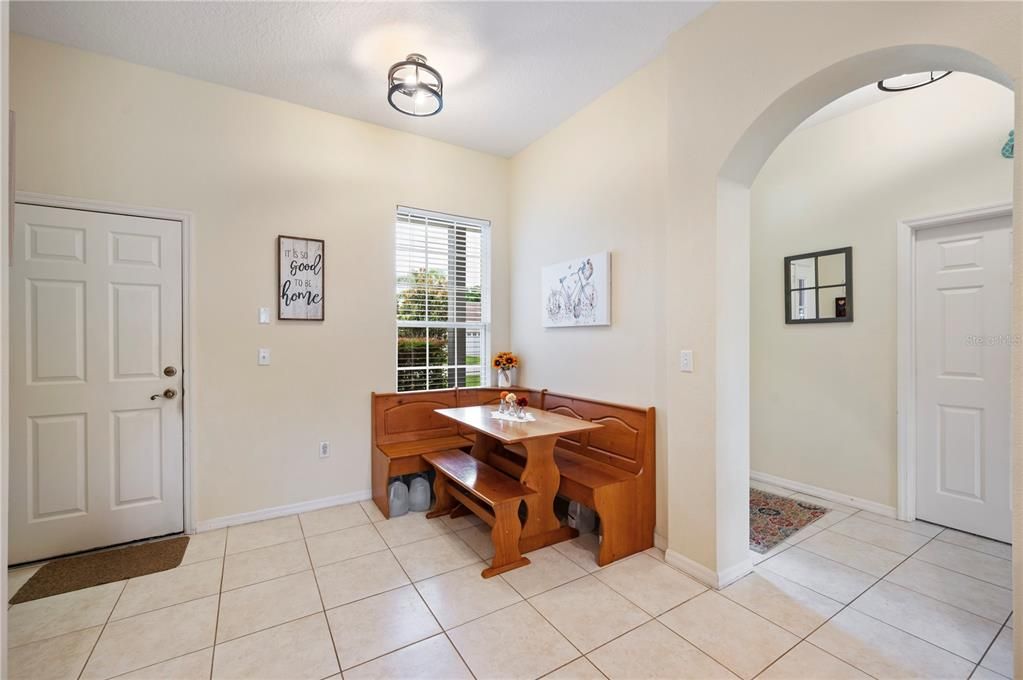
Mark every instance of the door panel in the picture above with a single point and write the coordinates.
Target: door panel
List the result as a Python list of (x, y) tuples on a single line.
[(96, 316), (963, 294)]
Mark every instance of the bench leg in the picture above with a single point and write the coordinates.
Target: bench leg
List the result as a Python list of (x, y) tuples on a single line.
[(616, 507), (444, 502), (505, 535)]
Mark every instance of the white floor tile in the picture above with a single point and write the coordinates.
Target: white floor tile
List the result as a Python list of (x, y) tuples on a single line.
[(734, 636), (833, 517), (976, 596), (984, 545), (512, 643), (981, 673), (379, 625), (547, 569), (478, 538), (153, 637), (970, 562), (884, 651), (916, 526), (649, 583), (827, 577), (999, 657), (580, 669), (806, 662), (263, 564), (797, 609), (889, 538), (431, 659), (194, 666), (757, 558), (54, 658), (853, 553), (261, 534), (410, 528), (359, 577), (300, 650), (803, 534), (433, 556), (59, 614), (208, 545), (948, 627), (463, 595), (582, 550), (344, 544), (372, 511), (267, 604), (332, 519), (165, 588), (652, 652), (588, 613)]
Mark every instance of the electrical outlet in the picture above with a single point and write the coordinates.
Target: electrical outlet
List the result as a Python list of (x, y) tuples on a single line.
[(264, 356), (324, 449), (686, 361)]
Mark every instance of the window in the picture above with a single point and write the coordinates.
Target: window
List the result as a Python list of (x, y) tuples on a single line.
[(442, 300)]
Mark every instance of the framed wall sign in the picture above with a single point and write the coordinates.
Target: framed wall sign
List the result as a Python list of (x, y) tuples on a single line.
[(577, 292), (300, 265)]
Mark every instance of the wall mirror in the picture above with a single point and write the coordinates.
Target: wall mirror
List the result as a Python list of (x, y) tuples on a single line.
[(819, 287)]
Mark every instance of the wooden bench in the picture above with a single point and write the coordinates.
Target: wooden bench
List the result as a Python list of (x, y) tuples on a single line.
[(463, 481), (404, 427), (611, 470)]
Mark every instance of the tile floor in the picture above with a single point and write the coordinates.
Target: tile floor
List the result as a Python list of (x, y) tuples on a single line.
[(339, 591)]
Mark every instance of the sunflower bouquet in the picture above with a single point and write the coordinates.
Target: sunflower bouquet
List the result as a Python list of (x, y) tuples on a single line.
[(504, 362)]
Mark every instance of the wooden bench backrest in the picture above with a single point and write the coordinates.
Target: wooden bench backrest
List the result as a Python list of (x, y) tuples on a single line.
[(408, 416), (626, 441)]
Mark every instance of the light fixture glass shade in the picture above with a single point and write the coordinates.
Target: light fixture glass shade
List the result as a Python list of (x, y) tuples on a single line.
[(415, 89), (910, 81)]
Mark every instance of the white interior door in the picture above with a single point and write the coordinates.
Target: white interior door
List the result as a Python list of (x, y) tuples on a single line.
[(963, 297), (95, 321)]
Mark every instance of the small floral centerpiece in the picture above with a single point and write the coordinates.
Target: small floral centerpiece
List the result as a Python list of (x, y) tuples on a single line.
[(522, 403), (502, 403), (504, 362)]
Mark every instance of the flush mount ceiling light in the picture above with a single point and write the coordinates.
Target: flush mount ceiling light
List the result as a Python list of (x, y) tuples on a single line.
[(910, 81), (415, 89)]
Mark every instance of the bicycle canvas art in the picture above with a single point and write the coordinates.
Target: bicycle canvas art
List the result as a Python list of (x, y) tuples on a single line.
[(577, 292)]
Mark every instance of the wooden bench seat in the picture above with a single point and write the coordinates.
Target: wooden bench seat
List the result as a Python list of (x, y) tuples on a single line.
[(489, 494)]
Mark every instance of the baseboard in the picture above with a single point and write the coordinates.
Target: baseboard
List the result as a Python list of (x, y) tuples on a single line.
[(660, 542), (280, 511), (709, 577), (826, 494)]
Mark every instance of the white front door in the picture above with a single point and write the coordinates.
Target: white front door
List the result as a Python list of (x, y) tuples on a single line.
[(95, 321), (963, 297)]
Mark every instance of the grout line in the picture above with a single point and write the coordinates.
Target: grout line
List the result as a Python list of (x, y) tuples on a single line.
[(102, 630), (220, 595), (319, 593), (584, 658)]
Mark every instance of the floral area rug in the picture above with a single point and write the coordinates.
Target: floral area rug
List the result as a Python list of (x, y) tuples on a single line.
[(773, 518)]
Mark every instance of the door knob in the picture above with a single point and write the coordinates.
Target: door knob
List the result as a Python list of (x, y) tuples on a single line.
[(167, 394), (170, 371)]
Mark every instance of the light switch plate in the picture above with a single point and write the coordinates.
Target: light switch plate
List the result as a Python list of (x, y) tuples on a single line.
[(264, 356), (264, 315), (686, 361)]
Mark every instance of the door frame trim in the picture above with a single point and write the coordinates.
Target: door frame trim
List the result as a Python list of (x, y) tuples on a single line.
[(188, 328), (905, 317)]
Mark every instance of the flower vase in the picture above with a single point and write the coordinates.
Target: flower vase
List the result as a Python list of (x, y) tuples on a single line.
[(503, 377), (521, 412)]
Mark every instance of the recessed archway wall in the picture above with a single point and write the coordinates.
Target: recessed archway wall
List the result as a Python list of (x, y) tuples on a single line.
[(743, 76)]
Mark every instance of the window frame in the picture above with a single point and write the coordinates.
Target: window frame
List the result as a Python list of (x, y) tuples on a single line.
[(484, 325)]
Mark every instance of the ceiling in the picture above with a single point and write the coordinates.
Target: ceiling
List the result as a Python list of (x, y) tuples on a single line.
[(512, 70)]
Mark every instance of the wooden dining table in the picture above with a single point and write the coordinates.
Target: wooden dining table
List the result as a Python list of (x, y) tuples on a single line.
[(538, 437)]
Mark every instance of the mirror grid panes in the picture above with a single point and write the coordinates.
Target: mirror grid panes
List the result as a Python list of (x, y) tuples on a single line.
[(818, 287)]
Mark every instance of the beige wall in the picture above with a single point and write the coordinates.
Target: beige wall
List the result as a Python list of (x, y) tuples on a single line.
[(250, 168), (823, 397), (597, 183), (742, 76)]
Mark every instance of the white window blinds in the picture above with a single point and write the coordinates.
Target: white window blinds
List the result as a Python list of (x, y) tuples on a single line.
[(442, 300)]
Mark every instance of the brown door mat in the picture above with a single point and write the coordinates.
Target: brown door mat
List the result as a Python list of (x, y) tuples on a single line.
[(95, 569)]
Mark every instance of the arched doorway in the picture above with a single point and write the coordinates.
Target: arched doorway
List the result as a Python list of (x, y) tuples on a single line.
[(735, 179)]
